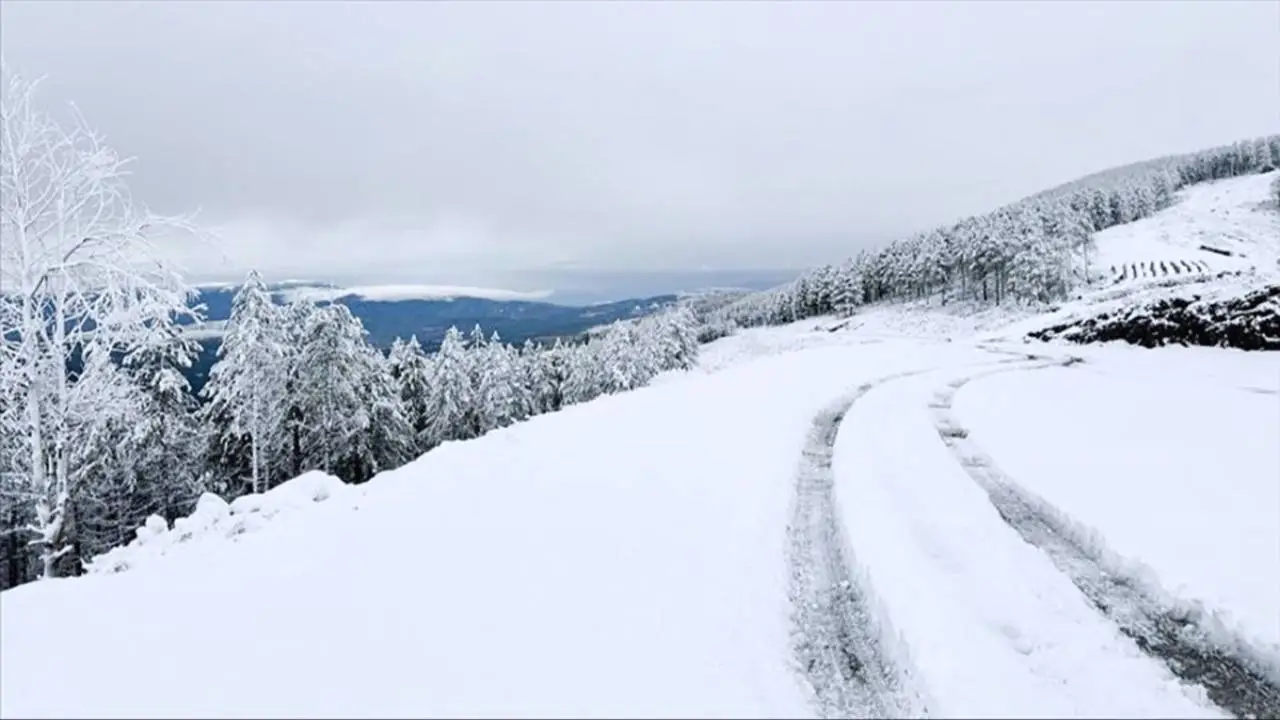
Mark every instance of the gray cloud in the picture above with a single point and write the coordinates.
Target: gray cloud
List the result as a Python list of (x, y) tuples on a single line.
[(463, 142)]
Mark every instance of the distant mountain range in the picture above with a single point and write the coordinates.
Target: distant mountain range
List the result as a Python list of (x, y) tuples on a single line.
[(389, 312)]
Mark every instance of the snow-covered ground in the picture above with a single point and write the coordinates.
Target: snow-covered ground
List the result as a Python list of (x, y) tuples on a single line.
[(625, 557), (618, 558), (1174, 456), (1237, 215), (993, 628), (912, 511)]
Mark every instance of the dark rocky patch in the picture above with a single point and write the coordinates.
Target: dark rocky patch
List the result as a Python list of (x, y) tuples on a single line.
[(1248, 322)]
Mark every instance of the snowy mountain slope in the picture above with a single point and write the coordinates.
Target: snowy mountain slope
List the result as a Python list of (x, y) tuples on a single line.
[(910, 511), (627, 557), (616, 558), (1237, 215)]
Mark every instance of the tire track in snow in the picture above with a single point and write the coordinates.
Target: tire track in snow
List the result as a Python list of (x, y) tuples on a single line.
[(838, 635), (1188, 639)]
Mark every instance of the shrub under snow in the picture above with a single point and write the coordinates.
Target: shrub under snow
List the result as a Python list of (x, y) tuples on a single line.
[(216, 519)]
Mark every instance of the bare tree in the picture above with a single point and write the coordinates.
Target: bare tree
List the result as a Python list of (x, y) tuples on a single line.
[(82, 282)]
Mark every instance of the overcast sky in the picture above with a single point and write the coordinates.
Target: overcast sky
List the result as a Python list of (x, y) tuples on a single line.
[(459, 142)]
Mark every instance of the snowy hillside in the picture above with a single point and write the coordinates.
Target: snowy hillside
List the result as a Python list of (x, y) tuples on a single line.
[(1237, 216), (631, 556), (912, 511)]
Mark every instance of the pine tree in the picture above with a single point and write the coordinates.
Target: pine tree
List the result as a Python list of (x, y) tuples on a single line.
[(329, 374), (290, 456), (387, 439), (451, 398), (583, 379), (495, 393), (247, 383), (411, 369), (169, 438)]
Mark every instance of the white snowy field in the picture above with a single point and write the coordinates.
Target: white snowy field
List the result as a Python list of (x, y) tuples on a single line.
[(1173, 456), (1235, 214), (618, 558), (624, 557)]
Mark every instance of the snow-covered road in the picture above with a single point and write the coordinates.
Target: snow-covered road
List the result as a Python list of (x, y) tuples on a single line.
[(1035, 606), (802, 527)]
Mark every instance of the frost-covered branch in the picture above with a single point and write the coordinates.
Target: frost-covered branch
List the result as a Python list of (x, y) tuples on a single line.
[(82, 278)]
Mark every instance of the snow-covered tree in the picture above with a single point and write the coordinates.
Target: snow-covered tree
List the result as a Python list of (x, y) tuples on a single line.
[(290, 457), (83, 281), (625, 361), (451, 398), (330, 368), (538, 383), (583, 373), (167, 437), (247, 385), (411, 369), (387, 439), (497, 395)]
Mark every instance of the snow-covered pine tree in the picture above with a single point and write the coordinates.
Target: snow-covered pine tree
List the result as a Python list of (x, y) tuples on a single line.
[(684, 326), (387, 439), (247, 384), (289, 457), (495, 378), (845, 296), (451, 398), (111, 494), (529, 370), (584, 374), (522, 406), (411, 369), (169, 438), (622, 364), (541, 383), (672, 338), (553, 370), (329, 373)]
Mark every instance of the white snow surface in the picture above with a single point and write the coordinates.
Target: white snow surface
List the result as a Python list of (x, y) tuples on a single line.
[(618, 558), (1237, 214), (215, 519), (1174, 456), (624, 558), (989, 622)]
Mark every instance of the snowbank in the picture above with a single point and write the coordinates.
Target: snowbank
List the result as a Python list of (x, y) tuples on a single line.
[(214, 521)]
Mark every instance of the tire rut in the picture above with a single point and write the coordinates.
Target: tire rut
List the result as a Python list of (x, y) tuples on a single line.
[(838, 635), (1187, 639)]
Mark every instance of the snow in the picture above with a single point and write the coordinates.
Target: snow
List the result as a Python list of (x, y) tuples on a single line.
[(994, 628), (391, 293), (1173, 456), (215, 522), (612, 559), (623, 557), (1235, 214)]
